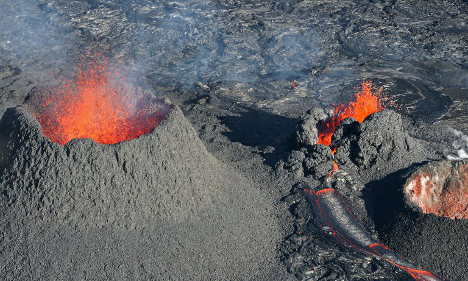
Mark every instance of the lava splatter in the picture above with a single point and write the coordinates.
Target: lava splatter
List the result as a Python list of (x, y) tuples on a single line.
[(366, 103)]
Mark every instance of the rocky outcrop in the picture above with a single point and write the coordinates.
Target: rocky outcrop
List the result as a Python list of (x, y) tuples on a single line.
[(440, 188)]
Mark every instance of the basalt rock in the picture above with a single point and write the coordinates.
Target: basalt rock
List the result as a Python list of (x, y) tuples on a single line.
[(314, 160), (346, 129), (378, 146), (310, 159), (318, 161), (307, 132), (295, 161)]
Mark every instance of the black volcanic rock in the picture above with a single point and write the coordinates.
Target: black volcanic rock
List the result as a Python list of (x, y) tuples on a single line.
[(347, 128), (378, 146), (295, 161), (310, 159), (315, 161), (318, 161), (307, 132)]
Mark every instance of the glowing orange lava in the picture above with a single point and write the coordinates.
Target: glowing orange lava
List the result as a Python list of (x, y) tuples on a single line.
[(335, 167), (97, 105), (366, 103)]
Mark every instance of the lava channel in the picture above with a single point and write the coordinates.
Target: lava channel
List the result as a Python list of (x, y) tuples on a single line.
[(332, 212)]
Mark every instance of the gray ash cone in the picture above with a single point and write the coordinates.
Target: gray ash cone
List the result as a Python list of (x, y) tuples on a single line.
[(155, 207), (167, 173)]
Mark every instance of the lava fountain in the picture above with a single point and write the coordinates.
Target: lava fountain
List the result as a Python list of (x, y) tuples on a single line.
[(366, 103), (99, 105)]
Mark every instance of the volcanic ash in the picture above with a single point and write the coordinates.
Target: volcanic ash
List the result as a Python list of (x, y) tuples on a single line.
[(86, 184), (148, 206)]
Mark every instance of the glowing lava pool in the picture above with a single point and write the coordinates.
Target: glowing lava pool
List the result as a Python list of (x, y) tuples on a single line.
[(99, 105)]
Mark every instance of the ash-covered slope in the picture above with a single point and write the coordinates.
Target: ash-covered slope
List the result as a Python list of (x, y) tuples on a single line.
[(158, 207), (86, 184)]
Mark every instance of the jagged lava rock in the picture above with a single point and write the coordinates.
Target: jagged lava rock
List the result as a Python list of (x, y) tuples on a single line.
[(346, 128), (378, 146), (310, 158), (318, 161), (295, 161), (307, 132), (313, 160)]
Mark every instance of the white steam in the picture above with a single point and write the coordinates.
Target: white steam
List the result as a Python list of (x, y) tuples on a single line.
[(460, 146)]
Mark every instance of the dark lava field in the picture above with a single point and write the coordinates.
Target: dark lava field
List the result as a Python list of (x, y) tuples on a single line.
[(244, 75)]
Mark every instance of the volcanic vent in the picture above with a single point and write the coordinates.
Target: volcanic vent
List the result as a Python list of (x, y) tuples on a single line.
[(128, 178), (353, 153), (98, 105), (98, 179), (125, 183)]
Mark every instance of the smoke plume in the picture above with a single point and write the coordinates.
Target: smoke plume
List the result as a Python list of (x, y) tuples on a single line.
[(459, 145)]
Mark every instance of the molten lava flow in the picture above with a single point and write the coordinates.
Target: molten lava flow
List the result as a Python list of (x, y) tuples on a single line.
[(335, 167), (366, 103), (96, 106), (332, 213)]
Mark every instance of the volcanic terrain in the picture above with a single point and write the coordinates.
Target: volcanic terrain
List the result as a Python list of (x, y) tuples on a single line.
[(233, 140)]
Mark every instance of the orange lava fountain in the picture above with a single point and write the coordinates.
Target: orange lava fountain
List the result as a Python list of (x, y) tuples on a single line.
[(97, 105), (366, 103)]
